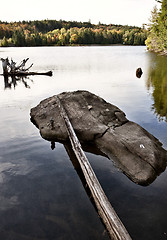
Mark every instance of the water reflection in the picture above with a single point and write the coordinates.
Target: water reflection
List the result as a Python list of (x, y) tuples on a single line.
[(147, 178), (79, 171), (42, 198), (13, 81), (157, 79), (42, 194)]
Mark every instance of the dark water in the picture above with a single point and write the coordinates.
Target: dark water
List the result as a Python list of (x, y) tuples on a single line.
[(41, 194)]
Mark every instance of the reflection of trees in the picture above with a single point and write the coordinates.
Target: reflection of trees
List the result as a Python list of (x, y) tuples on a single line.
[(158, 81), (14, 80)]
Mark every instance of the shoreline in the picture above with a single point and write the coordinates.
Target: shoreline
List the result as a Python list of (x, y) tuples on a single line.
[(80, 45)]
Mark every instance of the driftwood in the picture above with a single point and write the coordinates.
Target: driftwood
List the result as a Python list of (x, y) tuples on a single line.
[(109, 217), (5, 65), (22, 73), (10, 68)]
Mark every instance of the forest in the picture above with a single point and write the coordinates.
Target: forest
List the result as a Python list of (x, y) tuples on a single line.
[(64, 33), (157, 32)]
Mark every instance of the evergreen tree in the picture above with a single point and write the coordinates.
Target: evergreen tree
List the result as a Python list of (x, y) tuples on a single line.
[(18, 38), (157, 39)]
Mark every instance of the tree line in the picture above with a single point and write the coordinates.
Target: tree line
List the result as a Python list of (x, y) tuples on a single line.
[(64, 33), (157, 37)]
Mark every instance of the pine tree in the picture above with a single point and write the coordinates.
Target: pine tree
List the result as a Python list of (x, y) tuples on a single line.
[(157, 38)]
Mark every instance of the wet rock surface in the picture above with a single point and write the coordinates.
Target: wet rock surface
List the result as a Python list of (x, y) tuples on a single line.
[(135, 151)]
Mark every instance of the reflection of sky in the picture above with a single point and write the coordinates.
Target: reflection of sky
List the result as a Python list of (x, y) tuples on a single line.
[(40, 187), (41, 192), (106, 71), (101, 70)]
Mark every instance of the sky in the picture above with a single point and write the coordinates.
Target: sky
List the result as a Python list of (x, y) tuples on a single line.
[(124, 12)]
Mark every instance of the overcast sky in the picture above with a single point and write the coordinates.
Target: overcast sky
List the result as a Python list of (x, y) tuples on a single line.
[(131, 12)]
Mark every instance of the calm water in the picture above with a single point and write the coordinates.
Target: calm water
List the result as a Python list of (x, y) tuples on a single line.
[(41, 194)]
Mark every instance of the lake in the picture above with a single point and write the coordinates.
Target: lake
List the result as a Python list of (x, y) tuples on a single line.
[(41, 194)]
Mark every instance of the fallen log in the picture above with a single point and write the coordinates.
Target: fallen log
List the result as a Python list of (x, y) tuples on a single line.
[(23, 73), (11, 68), (108, 215)]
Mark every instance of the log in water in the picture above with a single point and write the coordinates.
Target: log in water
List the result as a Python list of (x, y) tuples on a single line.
[(108, 215)]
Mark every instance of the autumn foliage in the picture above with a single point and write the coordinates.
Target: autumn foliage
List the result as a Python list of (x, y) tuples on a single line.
[(61, 33)]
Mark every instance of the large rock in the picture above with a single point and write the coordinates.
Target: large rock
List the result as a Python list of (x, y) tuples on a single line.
[(135, 151)]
